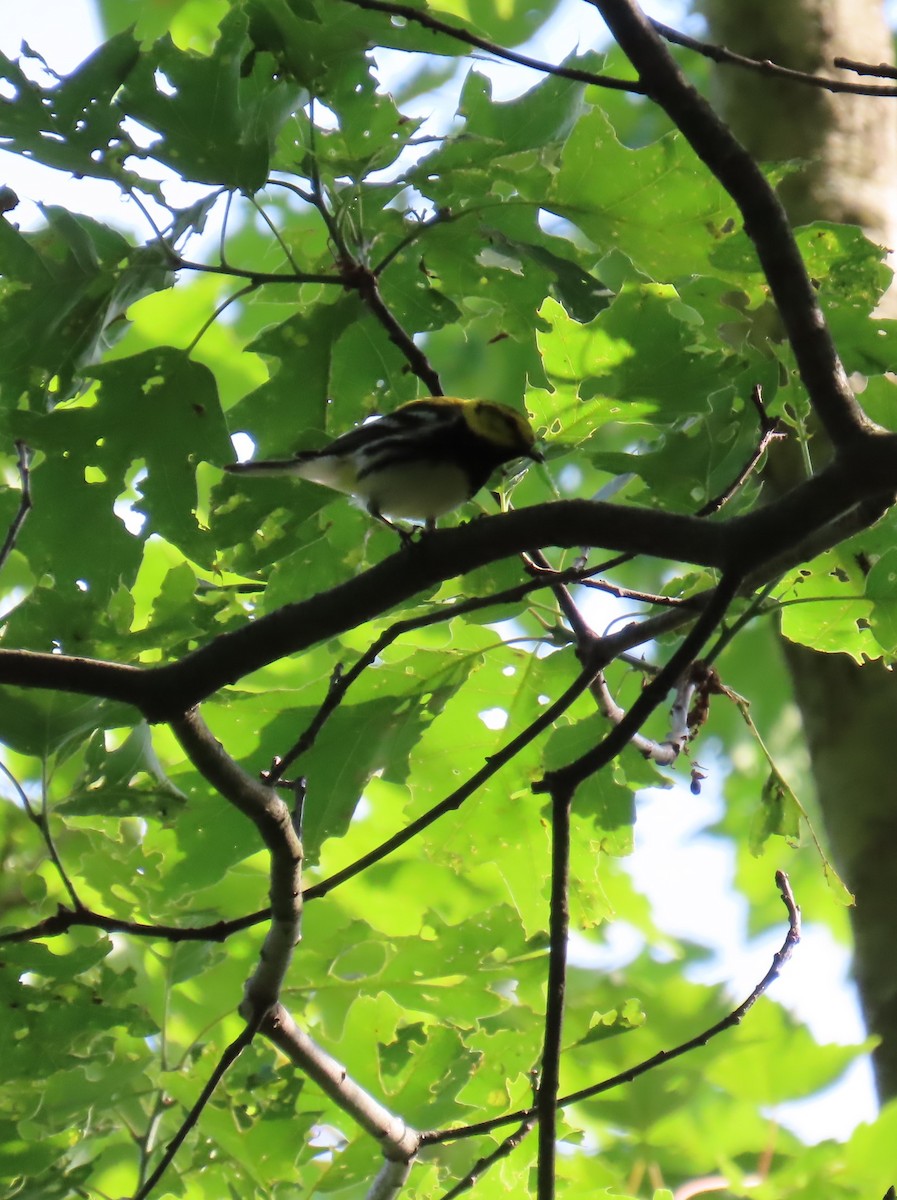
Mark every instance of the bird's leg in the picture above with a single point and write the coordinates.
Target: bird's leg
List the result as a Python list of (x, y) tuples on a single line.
[(407, 535)]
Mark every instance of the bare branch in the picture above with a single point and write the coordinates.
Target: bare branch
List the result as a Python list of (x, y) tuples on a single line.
[(272, 818), (653, 695), (421, 17), (228, 1058), (12, 533), (882, 70), (397, 1139), (764, 218), (735, 1017), (558, 928), (719, 54)]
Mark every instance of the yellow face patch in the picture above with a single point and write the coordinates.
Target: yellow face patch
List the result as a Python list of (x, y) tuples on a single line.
[(499, 424)]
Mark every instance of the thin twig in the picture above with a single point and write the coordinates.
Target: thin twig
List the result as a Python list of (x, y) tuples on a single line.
[(40, 819), (456, 798), (228, 1057), (881, 70), (288, 254), (65, 919), (482, 1165), (318, 198), (770, 430), (341, 680), (222, 237), (621, 593), (177, 263), (147, 1141), (653, 695), (442, 217), (24, 467), (246, 290), (757, 607), (43, 824), (719, 54), (735, 1017), (365, 282), (422, 17), (765, 222)]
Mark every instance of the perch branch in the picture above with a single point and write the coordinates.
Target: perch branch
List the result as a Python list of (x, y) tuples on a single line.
[(847, 495)]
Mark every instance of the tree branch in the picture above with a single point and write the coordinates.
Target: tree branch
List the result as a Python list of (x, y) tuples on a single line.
[(398, 1140), (558, 929), (364, 280), (271, 817), (227, 1059), (571, 775), (735, 1017), (422, 17), (765, 220), (719, 54), (867, 471), (12, 533)]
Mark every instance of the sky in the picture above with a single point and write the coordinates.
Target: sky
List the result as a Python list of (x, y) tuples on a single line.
[(671, 824)]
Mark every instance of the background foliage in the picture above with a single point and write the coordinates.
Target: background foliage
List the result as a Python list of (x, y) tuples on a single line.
[(562, 252)]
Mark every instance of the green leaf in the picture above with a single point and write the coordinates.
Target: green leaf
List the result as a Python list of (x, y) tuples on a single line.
[(73, 124), (826, 606), (215, 124), (63, 302), (654, 202)]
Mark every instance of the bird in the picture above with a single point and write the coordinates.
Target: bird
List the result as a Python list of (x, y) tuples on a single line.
[(417, 463)]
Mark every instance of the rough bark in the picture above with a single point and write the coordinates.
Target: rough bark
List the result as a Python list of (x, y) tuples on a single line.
[(846, 145), (848, 149)]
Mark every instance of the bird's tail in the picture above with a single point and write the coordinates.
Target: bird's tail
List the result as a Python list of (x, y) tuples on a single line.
[(272, 466)]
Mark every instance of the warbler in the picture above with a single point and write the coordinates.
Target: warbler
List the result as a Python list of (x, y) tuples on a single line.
[(416, 463)]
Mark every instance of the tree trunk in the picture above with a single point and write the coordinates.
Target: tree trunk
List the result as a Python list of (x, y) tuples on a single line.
[(848, 149)]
